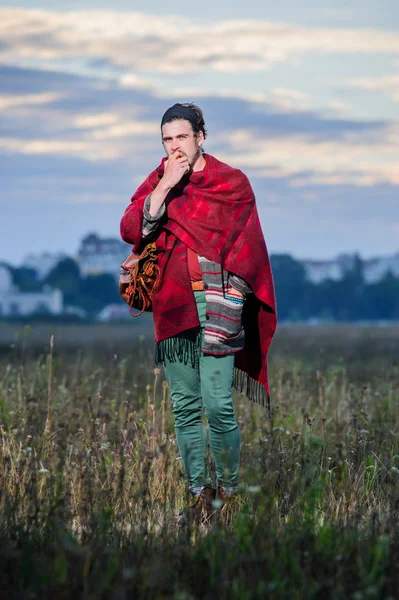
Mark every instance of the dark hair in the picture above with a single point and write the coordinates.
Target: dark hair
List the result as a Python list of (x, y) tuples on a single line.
[(194, 115)]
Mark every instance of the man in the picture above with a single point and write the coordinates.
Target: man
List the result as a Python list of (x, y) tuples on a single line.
[(214, 309)]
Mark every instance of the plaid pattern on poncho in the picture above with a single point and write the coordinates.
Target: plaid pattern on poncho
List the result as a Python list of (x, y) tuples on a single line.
[(213, 211)]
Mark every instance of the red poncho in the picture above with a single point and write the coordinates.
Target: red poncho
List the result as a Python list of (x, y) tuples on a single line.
[(212, 211)]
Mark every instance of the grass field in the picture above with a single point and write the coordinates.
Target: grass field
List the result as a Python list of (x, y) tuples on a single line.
[(90, 475)]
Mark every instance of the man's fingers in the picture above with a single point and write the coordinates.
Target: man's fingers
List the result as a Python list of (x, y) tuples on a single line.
[(181, 160)]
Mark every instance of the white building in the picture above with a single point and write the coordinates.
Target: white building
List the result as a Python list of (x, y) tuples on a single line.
[(42, 263), (5, 280), (15, 303), (114, 312), (102, 255), (320, 270), (374, 269)]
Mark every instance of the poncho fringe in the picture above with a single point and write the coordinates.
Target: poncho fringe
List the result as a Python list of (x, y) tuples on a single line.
[(254, 391), (179, 348), (182, 348)]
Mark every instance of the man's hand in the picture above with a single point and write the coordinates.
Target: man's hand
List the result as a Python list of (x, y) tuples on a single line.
[(176, 166)]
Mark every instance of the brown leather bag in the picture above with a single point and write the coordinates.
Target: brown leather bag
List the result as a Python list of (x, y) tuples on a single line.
[(139, 278)]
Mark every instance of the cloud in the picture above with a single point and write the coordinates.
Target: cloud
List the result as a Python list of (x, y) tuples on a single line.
[(277, 99), (279, 139), (288, 99), (82, 148), (8, 101), (388, 84), (135, 40), (81, 126), (126, 130), (86, 104), (66, 192), (361, 158), (87, 121), (382, 83), (98, 144)]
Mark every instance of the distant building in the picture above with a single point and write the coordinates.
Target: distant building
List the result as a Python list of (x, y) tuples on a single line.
[(75, 311), (15, 303), (374, 269), (104, 255), (320, 270), (101, 255), (5, 280), (42, 263), (114, 312)]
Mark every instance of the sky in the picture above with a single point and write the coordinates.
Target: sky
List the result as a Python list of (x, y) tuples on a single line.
[(303, 97)]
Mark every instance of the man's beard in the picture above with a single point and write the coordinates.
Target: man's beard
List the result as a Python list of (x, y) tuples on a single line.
[(196, 157)]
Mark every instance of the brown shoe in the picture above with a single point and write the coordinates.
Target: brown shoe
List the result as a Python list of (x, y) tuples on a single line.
[(230, 504), (200, 509), (221, 495)]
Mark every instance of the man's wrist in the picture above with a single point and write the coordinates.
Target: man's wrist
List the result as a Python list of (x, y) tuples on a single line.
[(158, 197), (165, 186)]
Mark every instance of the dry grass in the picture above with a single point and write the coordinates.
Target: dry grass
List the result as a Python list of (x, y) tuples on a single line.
[(90, 475)]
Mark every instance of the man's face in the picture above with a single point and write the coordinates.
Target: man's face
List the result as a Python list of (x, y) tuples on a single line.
[(179, 136)]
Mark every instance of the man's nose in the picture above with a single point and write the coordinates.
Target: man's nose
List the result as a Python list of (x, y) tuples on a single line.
[(175, 145)]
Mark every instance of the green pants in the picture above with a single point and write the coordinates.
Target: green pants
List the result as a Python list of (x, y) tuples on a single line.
[(205, 385)]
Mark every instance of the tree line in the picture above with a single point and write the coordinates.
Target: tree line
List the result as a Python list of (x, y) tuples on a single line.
[(349, 299), (91, 292)]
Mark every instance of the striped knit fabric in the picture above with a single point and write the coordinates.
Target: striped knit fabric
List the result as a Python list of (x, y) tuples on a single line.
[(223, 332)]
